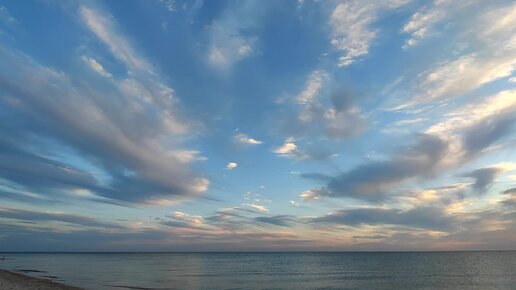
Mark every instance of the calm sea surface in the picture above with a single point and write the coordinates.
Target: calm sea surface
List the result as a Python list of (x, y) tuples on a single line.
[(425, 270)]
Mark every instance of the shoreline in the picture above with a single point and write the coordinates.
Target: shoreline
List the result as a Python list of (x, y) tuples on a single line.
[(17, 281)]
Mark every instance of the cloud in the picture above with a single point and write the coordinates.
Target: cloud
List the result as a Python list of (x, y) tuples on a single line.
[(421, 217), (351, 23), (373, 181), (313, 194), (97, 67), (170, 5), (287, 148), (34, 216), (258, 207), (510, 191), (183, 220), (132, 138), (102, 26), (278, 220), (317, 112), (423, 22), (290, 149), (38, 172), (462, 75), (231, 165), (474, 127), (5, 16), (491, 55), (232, 37), (464, 135), (485, 177), (242, 138), (314, 84)]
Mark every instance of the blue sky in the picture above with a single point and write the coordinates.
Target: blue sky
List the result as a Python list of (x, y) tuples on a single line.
[(257, 125)]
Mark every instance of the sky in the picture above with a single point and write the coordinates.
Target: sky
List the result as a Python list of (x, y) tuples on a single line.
[(173, 125)]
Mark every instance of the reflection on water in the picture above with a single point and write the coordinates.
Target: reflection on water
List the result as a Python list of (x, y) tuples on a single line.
[(435, 270)]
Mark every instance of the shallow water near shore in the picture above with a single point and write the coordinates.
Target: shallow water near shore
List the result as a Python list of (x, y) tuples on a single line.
[(400, 270)]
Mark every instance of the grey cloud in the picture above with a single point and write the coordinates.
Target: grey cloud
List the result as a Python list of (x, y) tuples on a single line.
[(486, 132), (36, 171), (316, 176), (343, 100), (176, 224), (34, 216), (423, 217), (278, 220), (484, 178), (28, 239), (372, 181), (511, 191)]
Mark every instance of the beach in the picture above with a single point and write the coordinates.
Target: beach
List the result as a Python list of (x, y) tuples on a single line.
[(14, 281)]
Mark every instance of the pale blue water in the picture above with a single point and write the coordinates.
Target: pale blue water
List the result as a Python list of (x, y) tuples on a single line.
[(421, 270)]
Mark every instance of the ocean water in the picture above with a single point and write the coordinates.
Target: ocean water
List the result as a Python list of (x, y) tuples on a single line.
[(414, 270)]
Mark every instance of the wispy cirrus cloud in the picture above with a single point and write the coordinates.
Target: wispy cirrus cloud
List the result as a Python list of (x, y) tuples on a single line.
[(488, 55), (352, 32), (422, 23)]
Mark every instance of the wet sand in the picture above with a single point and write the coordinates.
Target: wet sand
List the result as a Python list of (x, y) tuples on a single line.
[(15, 281)]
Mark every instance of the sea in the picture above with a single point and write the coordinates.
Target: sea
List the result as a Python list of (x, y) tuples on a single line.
[(335, 270)]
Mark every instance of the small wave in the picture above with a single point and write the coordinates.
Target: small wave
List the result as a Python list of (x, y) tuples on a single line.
[(31, 271)]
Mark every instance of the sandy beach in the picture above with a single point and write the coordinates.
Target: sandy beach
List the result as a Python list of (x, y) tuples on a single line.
[(15, 281)]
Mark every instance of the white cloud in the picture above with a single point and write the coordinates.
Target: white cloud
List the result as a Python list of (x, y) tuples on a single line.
[(170, 5), (97, 67), (188, 219), (244, 139), (464, 74), (313, 87), (408, 122), (187, 156), (470, 114), (312, 194), (423, 22), (402, 126), (492, 35), (6, 16), (102, 26), (258, 207), (287, 148), (227, 43), (231, 165), (351, 27)]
